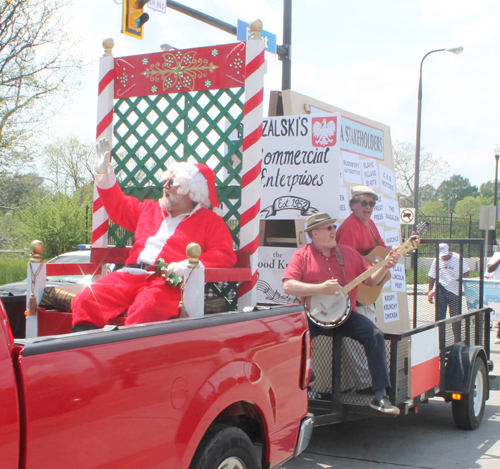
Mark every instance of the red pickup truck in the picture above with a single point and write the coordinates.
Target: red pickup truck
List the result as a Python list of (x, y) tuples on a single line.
[(203, 392)]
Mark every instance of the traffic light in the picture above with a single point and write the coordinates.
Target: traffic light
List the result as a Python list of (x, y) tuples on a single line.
[(134, 17)]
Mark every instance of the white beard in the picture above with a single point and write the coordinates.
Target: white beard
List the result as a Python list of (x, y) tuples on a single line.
[(169, 203)]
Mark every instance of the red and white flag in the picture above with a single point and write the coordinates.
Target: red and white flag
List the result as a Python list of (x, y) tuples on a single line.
[(425, 364)]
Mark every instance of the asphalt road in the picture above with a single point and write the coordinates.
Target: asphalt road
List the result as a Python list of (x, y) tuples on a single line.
[(427, 440)]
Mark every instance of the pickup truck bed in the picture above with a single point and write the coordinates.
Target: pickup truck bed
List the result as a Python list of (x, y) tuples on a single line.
[(144, 396)]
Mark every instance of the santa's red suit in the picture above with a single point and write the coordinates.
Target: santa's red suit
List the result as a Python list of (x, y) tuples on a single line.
[(144, 296)]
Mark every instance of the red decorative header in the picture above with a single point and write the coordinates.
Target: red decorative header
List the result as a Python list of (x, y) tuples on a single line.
[(178, 71)]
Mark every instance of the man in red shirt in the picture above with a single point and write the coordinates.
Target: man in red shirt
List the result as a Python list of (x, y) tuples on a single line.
[(358, 230), (315, 269), (360, 233)]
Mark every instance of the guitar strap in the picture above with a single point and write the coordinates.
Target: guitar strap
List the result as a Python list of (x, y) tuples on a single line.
[(376, 240), (340, 260)]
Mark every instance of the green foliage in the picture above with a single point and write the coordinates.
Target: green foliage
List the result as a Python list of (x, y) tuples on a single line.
[(59, 221), (12, 269), (433, 208), (471, 206), (455, 189), (17, 189)]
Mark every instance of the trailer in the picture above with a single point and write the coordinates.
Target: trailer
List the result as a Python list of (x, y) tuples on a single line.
[(449, 358)]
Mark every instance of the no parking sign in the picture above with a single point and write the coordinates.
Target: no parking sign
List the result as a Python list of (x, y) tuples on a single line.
[(407, 216)]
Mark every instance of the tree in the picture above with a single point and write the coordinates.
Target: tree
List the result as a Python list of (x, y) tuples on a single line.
[(432, 170), (471, 206), (37, 66), (433, 208), (487, 189), (17, 189), (69, 163), (60, 221), (427, 193), (455, 189)]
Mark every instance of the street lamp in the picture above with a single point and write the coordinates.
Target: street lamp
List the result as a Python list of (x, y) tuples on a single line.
[(454, 50), (497, 155)]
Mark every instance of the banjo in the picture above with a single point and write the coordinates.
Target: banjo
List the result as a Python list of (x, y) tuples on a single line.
[(331, 311)]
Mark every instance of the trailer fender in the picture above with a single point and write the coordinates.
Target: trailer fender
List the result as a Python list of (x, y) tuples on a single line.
[(459, 367)]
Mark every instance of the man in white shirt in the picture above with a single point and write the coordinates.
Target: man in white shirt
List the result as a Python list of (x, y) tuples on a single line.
[(447, 288), (493, 273)]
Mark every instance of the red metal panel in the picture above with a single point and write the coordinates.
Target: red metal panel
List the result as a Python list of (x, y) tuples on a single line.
[(147, 402), (179, 71), (73, 269), (9, 413)]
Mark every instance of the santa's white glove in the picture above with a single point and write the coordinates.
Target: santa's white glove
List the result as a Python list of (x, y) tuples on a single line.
[(102, 150), (177, 268)]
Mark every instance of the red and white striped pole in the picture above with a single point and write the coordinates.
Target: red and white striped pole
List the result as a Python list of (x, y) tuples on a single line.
[(251, 188), (100, 220)]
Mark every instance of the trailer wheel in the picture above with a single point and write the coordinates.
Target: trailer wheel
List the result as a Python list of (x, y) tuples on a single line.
[(469, 411), (225, 447)]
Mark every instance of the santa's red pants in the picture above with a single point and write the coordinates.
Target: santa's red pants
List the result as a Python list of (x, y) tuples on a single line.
[(146, 298)]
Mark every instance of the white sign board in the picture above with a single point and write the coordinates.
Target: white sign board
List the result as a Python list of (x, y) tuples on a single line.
[(158, 5), (300, 166), (272, 264)]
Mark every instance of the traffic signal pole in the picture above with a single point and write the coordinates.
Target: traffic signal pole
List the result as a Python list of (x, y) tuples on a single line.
[(283, 50)]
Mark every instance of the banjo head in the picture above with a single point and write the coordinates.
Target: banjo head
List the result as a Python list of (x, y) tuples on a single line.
[(328, 311)]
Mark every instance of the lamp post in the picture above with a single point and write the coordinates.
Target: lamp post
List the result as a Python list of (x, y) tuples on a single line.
[(454, 50), (497, 155)]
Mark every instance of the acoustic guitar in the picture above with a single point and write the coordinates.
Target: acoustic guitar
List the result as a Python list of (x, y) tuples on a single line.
[(330, 311), (368, 295)]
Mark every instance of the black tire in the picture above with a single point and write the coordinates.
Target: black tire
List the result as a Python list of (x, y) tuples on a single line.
[(225, 447), (468, 412)]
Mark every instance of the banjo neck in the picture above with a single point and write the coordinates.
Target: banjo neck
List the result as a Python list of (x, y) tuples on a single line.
[(409, 245), (361, 278)]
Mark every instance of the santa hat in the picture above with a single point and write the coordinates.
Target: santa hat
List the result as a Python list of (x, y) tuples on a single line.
[(195, 179)]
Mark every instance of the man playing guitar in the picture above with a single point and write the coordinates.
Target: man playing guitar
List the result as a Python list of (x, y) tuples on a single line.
[(360, 233), (319, 269)]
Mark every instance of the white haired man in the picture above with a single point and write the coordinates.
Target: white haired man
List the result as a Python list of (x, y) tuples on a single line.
[(162, 229)]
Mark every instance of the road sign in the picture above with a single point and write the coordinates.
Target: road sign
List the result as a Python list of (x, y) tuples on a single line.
[(158, 5), (243, 33), (407, 216)]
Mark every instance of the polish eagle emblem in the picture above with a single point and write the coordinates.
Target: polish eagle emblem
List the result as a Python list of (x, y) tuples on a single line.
[(324, 132)]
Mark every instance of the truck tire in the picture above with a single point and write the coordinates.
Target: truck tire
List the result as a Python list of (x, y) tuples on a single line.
[(225, 447), (468, 412)]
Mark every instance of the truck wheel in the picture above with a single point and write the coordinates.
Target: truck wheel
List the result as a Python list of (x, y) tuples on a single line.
[(468, 412), (225, 447)]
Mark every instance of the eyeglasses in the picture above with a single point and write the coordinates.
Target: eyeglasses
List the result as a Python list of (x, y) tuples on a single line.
[(168, 183), (329, 228), (365, 203)]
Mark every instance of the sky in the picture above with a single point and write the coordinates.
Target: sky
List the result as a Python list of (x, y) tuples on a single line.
[(360, 55)]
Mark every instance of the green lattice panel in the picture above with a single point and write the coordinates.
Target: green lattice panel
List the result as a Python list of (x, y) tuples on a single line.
[(201, 127)]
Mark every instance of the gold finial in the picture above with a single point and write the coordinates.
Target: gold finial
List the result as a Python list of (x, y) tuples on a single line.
[(108, 45), (256, 28), (193, 252), (36, 248)]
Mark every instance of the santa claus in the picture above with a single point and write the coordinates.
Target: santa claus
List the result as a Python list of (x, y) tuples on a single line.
[(162, 229)]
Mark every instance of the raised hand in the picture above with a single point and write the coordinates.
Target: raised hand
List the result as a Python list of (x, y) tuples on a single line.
[(102, 158)]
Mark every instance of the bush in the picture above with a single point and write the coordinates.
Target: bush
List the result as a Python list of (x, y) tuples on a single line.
[(60, 222)]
